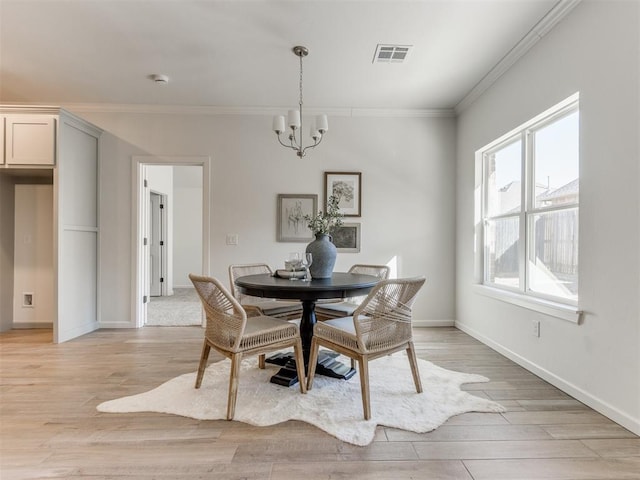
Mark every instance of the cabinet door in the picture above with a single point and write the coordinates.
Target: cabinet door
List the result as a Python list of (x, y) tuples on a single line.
[(30, 139)]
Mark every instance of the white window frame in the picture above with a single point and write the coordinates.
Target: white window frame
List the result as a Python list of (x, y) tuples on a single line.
[(523, 296)]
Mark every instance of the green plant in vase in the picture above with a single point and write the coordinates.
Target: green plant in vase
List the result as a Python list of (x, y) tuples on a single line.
[(322, 249), (324, 222)]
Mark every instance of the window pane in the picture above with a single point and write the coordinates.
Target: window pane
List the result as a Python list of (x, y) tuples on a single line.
[(553, 264), (504, 178), (502, 266), (556, 162)]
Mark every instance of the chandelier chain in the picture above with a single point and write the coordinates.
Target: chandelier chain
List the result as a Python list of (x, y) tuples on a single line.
[(300, 79)]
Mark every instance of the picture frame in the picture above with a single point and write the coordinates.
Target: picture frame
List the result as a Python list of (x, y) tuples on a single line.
[(291, 226), (346, 238), (348, 187)]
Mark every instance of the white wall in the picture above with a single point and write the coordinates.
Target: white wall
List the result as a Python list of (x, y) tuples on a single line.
[(595, 51), (7, 213), (187, 224), (408, 199), (33, 255)]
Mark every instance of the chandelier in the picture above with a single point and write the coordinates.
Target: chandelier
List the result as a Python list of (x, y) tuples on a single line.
[(294, 120)]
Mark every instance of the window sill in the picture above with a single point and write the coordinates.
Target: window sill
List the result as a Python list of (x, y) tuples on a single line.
[(569, 313)]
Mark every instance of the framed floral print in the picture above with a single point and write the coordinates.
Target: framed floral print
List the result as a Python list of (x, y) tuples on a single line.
[(347, 186)]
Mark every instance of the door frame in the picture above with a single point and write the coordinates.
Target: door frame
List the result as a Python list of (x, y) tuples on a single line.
[(138, 307)]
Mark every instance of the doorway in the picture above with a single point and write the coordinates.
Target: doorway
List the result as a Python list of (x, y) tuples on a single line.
[(171, 238)]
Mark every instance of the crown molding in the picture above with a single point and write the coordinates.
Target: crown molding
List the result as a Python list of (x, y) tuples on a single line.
[(557, 13), (399, 112), (260, 111), (30, 108)]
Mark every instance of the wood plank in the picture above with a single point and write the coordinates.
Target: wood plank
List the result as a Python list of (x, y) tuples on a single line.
[(554, 469), (622, 447), (375, 470), (555, 417), (585, 431), (502, 449), (448, 433)]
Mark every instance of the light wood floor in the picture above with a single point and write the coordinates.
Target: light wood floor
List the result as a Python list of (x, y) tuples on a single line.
[(49, 426)]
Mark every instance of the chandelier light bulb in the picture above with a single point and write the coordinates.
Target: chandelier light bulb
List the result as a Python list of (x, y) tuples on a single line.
[(294, 119), (314, 133), (322, 123), (278, 124)]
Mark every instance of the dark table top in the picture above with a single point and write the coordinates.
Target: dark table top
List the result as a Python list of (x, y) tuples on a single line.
[(340, 285)]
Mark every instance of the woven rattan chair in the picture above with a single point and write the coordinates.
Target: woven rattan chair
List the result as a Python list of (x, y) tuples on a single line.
[(346, 307), (381, 325), (286, 309), (229, 332)]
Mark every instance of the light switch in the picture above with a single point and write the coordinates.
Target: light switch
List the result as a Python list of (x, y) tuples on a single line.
[(232, 239)]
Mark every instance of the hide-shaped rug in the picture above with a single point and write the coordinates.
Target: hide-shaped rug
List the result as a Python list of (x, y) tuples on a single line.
[(333, 405)]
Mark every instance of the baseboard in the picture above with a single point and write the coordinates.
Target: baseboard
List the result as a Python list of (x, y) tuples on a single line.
[(432, 323), (116, 325), (30, 325), (588, 399)]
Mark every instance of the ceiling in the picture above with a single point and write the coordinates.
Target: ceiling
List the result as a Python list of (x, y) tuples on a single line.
[(238, 53)]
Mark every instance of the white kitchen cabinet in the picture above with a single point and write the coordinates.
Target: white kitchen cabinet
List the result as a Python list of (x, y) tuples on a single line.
[(51, 146), (30, 140)]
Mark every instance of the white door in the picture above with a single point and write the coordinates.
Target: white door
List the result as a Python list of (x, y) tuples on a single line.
[(156, 244)]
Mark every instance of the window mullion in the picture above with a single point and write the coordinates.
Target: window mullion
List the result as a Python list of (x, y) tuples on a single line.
[(522, 244), (485, 203)]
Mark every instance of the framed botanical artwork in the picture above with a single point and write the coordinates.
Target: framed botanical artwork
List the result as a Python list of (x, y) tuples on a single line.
[(347, 186), (291, 226), (346, 237)]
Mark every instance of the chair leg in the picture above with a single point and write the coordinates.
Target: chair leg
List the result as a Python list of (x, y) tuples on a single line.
[(261, 361), (203, 362), (302, 379), (313, 359), (236, 359), (364, 385), (411, 353)]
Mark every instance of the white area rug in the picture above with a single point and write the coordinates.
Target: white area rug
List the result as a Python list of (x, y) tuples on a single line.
[(333, 405)]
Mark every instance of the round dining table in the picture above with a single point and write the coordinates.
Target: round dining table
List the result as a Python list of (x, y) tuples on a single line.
[(339, 285)]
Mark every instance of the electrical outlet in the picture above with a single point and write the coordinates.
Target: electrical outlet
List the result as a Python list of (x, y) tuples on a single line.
[(535, 328)]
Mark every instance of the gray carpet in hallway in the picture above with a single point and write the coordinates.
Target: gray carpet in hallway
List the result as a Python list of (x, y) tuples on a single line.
[(180, 309)]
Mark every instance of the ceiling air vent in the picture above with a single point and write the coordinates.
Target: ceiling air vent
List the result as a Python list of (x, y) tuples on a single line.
[(391, 53)]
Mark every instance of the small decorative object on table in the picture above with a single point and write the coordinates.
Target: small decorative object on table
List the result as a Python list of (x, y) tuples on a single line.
[(306, 263), (293, 269), (295, 264), (322, 249)]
